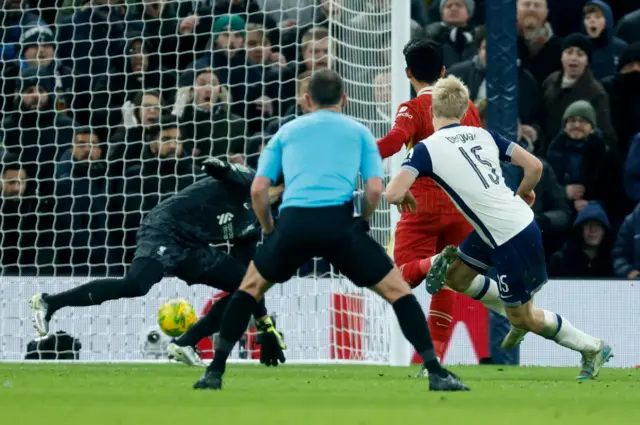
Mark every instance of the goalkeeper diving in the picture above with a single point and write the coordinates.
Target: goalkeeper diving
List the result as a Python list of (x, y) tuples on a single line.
[(175, 239)]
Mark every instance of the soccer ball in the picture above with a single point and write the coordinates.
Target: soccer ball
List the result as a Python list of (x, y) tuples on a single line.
[(176, 316)]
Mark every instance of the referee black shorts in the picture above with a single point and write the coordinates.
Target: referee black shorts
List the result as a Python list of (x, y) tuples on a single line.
[(328, 232)]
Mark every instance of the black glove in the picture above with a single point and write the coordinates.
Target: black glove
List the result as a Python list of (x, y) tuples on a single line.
[(271, 343), (215, 168)]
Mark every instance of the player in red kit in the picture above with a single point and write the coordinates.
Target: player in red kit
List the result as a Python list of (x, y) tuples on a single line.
[(437, 223)]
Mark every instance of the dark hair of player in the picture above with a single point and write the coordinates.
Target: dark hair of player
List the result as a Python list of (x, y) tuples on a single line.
[(326, 88), (166, 122), (423, 57), (9, 161)]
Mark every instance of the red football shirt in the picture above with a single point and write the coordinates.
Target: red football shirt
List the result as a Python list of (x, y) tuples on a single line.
[(413, 124)]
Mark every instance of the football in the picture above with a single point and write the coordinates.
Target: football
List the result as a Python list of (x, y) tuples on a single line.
[(176, 316)]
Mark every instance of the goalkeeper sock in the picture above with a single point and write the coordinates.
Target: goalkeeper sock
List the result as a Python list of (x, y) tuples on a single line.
[(486, 291), (234, 324), (207, 325), (261, 310), (560, 330), (414, 327), (441, 319)]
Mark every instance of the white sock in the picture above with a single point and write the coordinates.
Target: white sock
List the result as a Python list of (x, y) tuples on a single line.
[(486, 291), (560, 330)]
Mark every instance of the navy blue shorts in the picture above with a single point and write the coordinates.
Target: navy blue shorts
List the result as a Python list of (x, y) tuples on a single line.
[(520, 263)]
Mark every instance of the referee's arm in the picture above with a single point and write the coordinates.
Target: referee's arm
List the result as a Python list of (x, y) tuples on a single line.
[(269, 168), (372, 173)]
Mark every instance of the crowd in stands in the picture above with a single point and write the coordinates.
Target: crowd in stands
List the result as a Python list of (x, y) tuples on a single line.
[(108, 107)]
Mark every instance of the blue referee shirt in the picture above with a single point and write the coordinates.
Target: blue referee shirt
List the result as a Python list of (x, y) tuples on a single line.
[(320, 155)]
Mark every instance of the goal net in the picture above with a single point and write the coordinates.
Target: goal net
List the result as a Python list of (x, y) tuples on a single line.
[(82, 87)]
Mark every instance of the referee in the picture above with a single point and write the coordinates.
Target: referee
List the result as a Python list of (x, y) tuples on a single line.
[(321, 155)]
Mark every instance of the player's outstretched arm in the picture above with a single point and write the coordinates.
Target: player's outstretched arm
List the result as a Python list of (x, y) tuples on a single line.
[(398, 189), (532, 167)]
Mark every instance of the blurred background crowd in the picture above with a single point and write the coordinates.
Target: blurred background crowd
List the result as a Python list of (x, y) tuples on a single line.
[(108, 106)]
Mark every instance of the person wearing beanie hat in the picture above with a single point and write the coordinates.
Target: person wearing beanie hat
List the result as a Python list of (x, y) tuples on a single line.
[(580, 109), (234, 26), (37, 46), (574, 82), (453, 32), (583, 160), (623, 89)]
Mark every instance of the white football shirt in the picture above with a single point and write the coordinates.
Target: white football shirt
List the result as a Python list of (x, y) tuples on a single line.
[(465, 162)]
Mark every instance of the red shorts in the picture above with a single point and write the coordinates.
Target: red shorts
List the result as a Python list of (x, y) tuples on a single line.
[(424, 235)]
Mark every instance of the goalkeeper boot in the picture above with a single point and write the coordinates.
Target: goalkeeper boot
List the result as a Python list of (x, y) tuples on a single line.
[(437, 276), (447, 382), (513, 338), (593, 361), (186, 355), (424, 372), (211, 380), (40, 310), (271, 342)]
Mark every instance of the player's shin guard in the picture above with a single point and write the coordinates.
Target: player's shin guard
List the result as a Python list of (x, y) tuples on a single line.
[(414, 327), (441, 319), (234, 324), (560, 330), (486, 291)]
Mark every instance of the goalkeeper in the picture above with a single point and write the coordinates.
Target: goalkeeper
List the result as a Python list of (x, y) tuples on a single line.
[(174, 239)]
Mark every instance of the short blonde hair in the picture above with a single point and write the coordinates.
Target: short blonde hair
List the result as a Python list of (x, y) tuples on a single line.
[(450, 98)]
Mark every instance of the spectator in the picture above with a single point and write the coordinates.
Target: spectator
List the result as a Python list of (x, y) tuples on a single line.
[(127, 143), (607, 48), (628, 28), (473, 73), (248, 10), (631, 176), (206, 121), (624, 96), (539, 49), (164, 170), (14, 20), (22, 249), (574, 82), (171, 29), (453, 31), (141, 71), (626, 249), (300, 108), (587, 251), (583, 162), (81, 194), (35, 131)]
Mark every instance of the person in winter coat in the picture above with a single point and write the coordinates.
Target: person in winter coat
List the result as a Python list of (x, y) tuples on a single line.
[(453, 31), (631, 176), (607, 48), (623, 89), (626, 249), (628, 28), (539, 49), (587, 251), (574, 82), (206, 122), (586, 166), (35, 131)]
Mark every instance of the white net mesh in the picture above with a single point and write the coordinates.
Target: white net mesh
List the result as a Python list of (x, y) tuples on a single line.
[(82, 88)]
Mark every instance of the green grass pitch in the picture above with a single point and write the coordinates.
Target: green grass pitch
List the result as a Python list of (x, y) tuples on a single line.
[(145, 394)]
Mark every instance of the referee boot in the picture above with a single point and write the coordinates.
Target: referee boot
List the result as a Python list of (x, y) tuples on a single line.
[(447, 382), (437, 276), (211, 380)]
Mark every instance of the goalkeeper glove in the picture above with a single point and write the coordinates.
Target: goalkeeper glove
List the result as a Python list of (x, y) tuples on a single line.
[(215, 168), (271, 343)]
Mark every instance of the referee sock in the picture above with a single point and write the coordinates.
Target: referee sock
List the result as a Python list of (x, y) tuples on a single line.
[(414, 327), (234, 324)]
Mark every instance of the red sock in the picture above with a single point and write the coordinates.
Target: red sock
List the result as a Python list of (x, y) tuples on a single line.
[(441, 320), (412, 273)]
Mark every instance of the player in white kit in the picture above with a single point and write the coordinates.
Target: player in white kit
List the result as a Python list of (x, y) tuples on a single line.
[(465, 162)]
